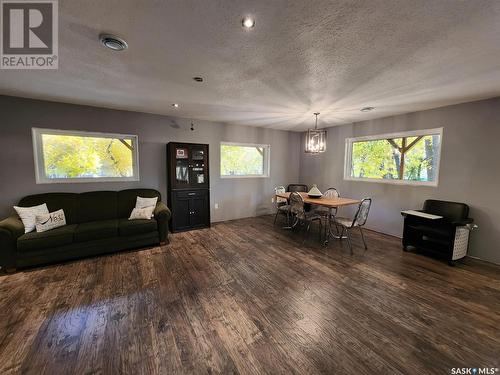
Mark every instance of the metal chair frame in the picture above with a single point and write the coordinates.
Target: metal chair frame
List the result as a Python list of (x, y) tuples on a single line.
[(280, 203), (301, 216), (329, 193), (357, 221), (297, 188)]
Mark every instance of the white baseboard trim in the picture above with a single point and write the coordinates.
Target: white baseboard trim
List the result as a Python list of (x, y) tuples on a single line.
[(483, 260)]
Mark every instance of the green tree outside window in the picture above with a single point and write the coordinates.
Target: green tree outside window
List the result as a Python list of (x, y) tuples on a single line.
[(67, 156), (405, 158)]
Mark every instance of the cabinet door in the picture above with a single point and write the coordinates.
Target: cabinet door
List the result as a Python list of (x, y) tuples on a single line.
[(198, 171), (181, 173), (181, 218), (180, 164), (198, 206)]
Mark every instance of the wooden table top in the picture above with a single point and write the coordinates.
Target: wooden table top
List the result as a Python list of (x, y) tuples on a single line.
[(326, 202)]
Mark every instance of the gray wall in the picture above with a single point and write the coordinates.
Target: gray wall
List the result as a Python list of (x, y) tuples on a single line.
[(237, 198), (469, 169)]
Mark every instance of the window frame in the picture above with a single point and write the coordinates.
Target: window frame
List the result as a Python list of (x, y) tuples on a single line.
[(40, 176), (414, 133), (267, 159)]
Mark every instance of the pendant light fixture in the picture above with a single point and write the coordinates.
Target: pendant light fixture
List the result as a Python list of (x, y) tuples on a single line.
[(315, 139)]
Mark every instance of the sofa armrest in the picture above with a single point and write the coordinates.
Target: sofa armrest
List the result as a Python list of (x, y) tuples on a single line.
[(10, 230), (162, 215)]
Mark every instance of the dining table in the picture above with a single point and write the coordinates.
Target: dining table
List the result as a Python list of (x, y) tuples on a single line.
[(330, 203)]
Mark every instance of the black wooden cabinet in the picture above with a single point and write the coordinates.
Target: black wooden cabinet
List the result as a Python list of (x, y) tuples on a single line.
[(188, 185)]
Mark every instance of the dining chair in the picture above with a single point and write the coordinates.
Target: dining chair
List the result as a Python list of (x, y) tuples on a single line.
[(301, 216), (359, 220), (281, 204), (298, 188), (325, 211), (328, 213)]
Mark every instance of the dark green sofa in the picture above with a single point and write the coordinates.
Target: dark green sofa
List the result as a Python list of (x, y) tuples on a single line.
[(97, 223)]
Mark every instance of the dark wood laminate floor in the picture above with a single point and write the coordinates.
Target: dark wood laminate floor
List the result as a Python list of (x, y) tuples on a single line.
[(243, 297)]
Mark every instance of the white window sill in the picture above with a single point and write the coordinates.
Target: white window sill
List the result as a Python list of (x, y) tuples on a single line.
[(245, 176), (394, 182), (85, 180)]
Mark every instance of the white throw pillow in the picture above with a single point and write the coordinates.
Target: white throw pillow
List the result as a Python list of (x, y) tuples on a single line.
[(142, 213), (28, 215), (50, 221), (146, 202)]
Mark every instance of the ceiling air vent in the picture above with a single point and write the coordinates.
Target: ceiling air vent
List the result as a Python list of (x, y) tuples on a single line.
[(113, 42)]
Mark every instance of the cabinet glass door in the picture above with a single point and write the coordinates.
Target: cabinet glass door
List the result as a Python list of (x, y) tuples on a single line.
[(198, 166), (181, 155)]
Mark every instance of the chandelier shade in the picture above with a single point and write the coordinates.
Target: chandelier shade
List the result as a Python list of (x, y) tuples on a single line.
[(315, 139)]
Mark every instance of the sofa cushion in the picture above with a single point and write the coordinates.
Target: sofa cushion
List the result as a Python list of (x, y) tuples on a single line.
[(127, 199), (97, 205), (134, 227), (96, 230), (52, 238), (55, 201), (453, 211)]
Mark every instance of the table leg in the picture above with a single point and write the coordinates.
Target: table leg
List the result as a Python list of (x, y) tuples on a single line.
[(328, 232)]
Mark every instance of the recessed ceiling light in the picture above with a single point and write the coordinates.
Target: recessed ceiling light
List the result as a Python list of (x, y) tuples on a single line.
[(198, 79), (175, 105), (113, 42), (248, 22), (367, 109)]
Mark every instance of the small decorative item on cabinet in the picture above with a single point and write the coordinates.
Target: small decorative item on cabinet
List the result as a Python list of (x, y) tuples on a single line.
[(181, 153), (198, 155), (188, 185)]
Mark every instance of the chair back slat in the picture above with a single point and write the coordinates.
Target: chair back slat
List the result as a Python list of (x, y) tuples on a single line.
[(363, 211), (331, 193), (280, 190), (297, 187), (296, 204)]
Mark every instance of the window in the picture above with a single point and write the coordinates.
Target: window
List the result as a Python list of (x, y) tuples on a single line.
[(75, 156), (244, 160), (402, 158)]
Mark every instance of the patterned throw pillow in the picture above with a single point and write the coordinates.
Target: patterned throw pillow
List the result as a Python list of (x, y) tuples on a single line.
[(28, 215), (142, 213), (146, 202), (50, 221)]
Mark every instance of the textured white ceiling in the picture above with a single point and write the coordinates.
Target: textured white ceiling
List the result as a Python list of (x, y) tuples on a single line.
[(303, 56)]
